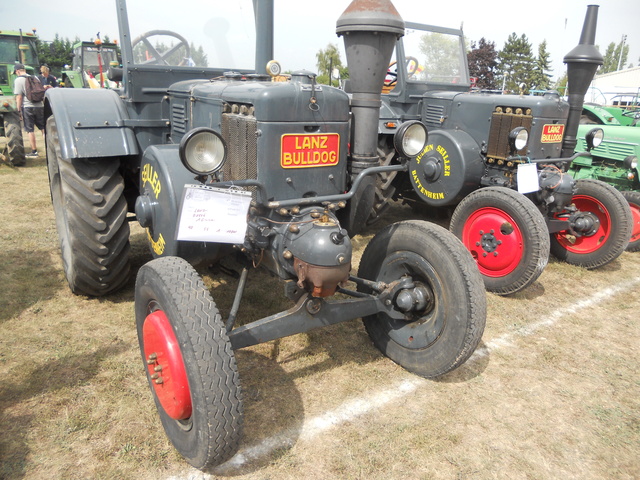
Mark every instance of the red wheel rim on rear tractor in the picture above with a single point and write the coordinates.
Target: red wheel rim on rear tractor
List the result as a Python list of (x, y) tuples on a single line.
[(494, 240), (591, 243)]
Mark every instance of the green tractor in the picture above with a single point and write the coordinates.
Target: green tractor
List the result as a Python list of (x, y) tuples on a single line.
[(91, 62), (15, 47), (615, 159)]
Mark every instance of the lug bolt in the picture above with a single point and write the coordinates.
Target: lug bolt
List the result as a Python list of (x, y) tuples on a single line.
[(157, 368), (495, 254), (152, 358), (477, 244), (159, 381), (484, 254)]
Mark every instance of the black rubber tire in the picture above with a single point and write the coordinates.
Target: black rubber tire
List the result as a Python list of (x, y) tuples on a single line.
[(439, 339), (612, 238), (526, 246), (14, 150), (633, 198), (211, 435), (91, 219)]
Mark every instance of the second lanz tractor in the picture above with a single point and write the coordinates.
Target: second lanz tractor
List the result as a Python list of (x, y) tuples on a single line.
[(499, 162)]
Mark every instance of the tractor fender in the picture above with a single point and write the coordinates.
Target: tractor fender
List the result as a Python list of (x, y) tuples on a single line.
[(91, 123), (448, 169), (162, 182)]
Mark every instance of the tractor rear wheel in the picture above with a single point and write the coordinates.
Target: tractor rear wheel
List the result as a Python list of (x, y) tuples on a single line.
[(190, 365), (506, 235), (91, 219), (606, 210), (436, 319), (14, 150), (634, 203)]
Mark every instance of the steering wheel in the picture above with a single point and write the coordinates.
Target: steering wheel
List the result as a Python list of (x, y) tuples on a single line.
[(158, 58), (411, 64)]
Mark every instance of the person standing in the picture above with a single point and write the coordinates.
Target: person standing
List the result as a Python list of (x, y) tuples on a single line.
[(46, 79), (32, 113)]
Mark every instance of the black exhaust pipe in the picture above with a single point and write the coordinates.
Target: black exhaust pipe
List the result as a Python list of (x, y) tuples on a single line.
[(370, 29), (582, 63)]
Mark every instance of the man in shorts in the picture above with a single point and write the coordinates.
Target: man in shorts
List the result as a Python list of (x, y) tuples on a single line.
[(32, 113)]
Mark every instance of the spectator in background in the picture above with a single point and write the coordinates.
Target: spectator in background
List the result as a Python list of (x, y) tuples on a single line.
[(32, 114), (46, 79)]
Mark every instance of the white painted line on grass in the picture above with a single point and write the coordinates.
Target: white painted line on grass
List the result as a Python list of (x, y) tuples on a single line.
[(357, 407)]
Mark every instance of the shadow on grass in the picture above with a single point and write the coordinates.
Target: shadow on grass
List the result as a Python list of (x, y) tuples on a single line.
[(18, 394), (28, 277)]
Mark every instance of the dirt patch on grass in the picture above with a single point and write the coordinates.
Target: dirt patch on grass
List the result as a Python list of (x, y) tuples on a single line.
[(551, 393)]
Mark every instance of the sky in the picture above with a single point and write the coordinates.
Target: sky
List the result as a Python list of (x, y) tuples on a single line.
[(305, 27)]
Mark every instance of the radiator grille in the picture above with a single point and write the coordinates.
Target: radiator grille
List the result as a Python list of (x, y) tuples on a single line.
[(434, 115), (178, 118), (239, 131), (503, 120), (615, 150)]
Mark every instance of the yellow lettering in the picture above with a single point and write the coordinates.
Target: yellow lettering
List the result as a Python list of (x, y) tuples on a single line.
[(157, 246), (150, 176)]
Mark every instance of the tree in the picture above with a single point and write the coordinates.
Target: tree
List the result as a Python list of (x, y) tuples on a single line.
[(541, 75), (482, 59), (514, 63), (56, 54), (441, 61), (615, 56), (328, 59)]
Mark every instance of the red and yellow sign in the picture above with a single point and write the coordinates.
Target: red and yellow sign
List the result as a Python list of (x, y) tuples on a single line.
[(309, 150), (552, 133)]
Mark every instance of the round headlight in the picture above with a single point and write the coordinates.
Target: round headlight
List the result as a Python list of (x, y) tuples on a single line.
[(202, 151), (518, 138), (631, 162), (594, 138), (411, 138)]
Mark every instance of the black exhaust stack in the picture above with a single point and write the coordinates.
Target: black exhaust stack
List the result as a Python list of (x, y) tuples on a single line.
[(370, 29), (582, 63), (263, 12)]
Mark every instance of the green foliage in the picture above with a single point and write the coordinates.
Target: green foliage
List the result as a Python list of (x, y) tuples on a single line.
[(57, 53), (541, 74), (441, 60), (328, 59), (614, 57), (515, 61), (482, 59)]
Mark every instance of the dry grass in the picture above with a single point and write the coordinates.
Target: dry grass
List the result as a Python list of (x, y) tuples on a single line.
[(555, 400)]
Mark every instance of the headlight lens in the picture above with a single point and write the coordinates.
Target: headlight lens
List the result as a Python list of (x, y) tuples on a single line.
[(594, 138), (203, 151), (518, 139), (411, 138), (631, 162)]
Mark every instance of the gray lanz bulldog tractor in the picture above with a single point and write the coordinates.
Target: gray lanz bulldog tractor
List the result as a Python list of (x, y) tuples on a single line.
[(214, 162), (499, 162)]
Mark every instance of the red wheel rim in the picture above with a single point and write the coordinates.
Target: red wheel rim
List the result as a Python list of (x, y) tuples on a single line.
[(635, 215), (587, 244), (166, 367), (495, 241)]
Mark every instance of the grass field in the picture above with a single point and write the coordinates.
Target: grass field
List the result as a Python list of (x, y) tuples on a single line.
[(553, 392)]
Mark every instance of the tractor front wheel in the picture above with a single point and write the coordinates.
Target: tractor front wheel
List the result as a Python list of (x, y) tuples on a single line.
[(91, 219), (437, 316), (633, 198), (605, 218), (506, 235), (190, 365)]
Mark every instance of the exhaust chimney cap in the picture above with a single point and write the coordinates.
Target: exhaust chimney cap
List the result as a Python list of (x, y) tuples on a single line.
[(370, 16)]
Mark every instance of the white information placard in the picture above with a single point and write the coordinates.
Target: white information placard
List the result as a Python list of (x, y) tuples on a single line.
[(210, 214), (528, 178)]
